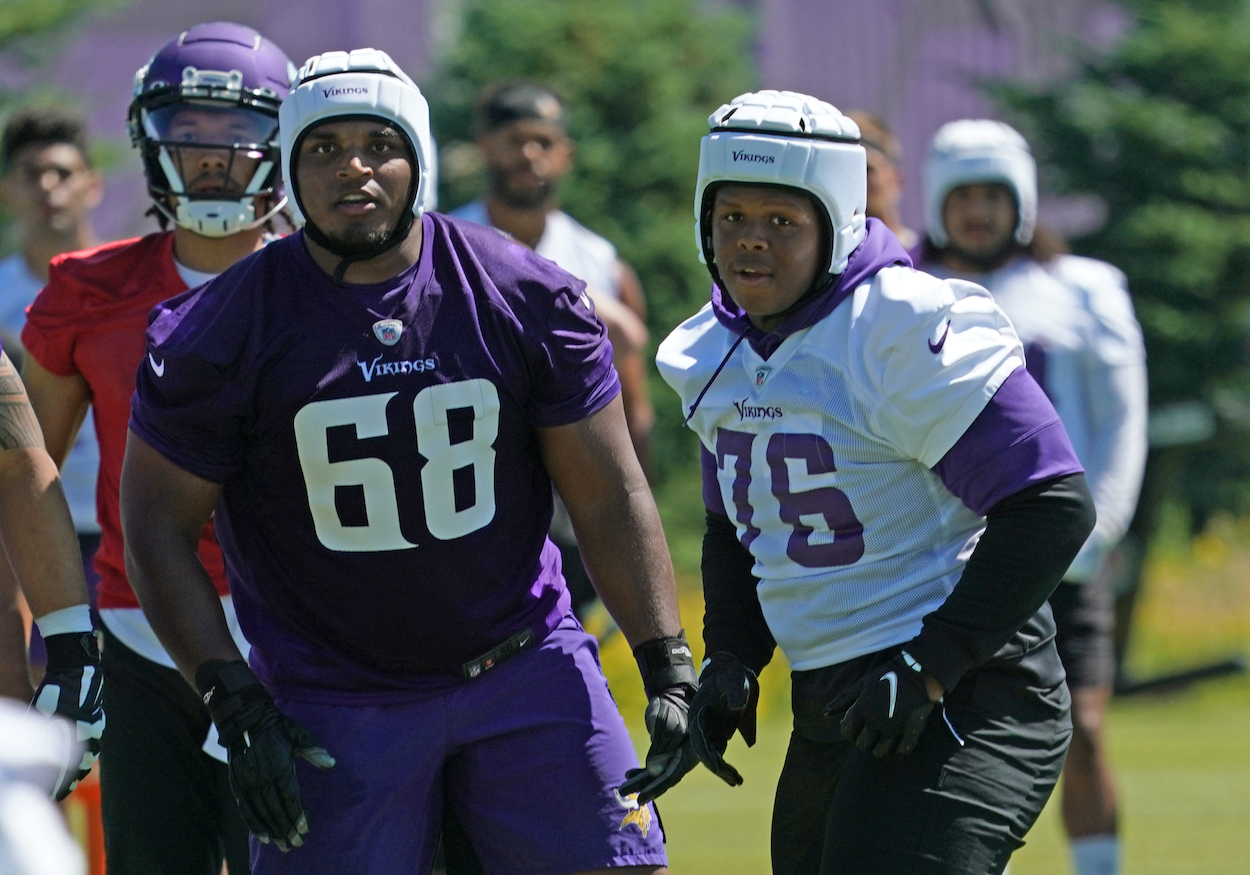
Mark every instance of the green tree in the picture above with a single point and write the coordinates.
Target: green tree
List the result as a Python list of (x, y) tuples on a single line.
[(1158, 129), (27, 26), (640, 80)]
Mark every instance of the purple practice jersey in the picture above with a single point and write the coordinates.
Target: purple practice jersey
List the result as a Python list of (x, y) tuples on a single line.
[(384, 508)]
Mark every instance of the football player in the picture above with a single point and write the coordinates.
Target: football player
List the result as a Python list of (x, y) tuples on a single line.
[(204, 118), (885, 174), (376, 407), (37, 533), (1084, 347), (48, 187), (524, 143), (890, 498)]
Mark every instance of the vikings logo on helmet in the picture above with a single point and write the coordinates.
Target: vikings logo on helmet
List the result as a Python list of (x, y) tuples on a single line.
[(388, 331), (639, 815)]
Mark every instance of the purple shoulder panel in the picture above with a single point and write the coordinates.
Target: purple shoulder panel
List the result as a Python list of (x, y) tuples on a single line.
[(1015, 442), (712, 498)]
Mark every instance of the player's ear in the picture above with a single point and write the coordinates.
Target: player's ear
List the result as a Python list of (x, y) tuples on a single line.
[(95, 189)]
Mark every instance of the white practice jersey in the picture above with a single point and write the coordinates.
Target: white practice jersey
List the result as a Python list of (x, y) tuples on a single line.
[(823, 454), (570, 244), (1084, 346)]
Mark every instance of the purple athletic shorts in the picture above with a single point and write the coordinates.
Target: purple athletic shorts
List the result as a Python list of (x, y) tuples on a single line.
[(530, 754)]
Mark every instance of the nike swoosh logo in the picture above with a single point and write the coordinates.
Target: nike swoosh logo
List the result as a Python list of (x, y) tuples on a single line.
[(935, 348), (892, 679), (160, 368)]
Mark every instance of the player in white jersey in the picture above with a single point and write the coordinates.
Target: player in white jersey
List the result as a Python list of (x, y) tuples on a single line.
[(890, 498), (527, 152), (1084, 347), (523, 139)]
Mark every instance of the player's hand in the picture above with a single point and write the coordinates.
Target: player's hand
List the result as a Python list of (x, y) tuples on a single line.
[(724, 704), (886, 710), (262, 744), (668, 676), (73, 688)]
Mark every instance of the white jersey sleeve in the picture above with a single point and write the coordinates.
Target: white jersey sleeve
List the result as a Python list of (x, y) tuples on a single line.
[(1114, 370), (821, 453), (929, 354)]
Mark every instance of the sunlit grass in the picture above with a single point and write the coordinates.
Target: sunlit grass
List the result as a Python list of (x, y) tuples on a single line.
[(1183, 761)]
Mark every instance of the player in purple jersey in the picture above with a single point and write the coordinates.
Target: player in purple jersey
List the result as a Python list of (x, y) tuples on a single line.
[(375, 410), (890, 498), (38, 535)]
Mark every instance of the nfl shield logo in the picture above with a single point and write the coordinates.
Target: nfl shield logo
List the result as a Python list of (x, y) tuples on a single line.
[(761, 374), (388, 331)]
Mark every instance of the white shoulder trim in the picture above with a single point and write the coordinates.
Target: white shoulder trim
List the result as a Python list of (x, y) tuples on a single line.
[(691, 353), (928, 354)]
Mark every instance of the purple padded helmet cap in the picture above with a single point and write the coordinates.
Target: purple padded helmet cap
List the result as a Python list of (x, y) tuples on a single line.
[(223, 46)]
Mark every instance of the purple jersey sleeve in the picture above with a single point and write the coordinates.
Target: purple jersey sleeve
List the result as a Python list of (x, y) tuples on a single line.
[(190, 402), (576, 377), (712, 499), (1015, 442)]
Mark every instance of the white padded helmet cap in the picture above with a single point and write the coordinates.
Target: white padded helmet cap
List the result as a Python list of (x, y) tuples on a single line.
[(364, 82), (794, 140), (977, 151)]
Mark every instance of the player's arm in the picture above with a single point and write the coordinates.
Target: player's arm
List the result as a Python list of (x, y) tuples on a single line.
[(60, 404), (1116, 458), (630, 288), (35, 522), (164, 509), (593, 465), (1015, 466), (618, 527), (42, 549), (14, 670), (738, 642)]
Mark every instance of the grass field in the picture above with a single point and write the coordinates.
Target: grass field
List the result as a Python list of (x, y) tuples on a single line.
[(1183, 761)]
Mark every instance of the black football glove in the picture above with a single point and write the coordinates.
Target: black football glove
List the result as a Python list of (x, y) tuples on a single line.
[(886, 710), (262, 744), (73, 688), (725, 704), (668, 676)]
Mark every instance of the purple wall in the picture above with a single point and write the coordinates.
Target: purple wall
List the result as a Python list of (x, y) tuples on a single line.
[(101, 57), (913, 62)]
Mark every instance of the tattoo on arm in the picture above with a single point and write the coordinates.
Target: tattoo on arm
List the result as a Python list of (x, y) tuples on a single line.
[(18, 426)]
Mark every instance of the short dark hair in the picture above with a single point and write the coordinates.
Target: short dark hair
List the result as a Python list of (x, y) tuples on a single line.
[(874, 133), (507, 102), (42, 126)]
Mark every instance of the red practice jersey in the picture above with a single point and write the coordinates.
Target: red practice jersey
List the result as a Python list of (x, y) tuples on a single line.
[(90, 321)]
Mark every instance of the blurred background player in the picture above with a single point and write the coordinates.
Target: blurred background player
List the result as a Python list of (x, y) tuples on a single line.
[(885, 174), (403, 390), (1084, 347), (48, 189), (204, 118), (876, 460), (523, 139)]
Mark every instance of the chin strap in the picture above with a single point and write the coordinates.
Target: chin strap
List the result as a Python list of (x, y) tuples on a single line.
[(393, 239)]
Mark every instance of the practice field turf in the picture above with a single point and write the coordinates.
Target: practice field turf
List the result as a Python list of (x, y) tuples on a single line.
[(1182, 761), (1184, 773)]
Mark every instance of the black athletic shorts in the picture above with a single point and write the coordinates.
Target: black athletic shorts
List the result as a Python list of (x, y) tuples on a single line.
[(166, 804), (947, 808), (1084, 627)]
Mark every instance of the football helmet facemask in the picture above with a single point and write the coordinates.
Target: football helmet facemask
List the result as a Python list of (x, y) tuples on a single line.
[(205, 120)]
